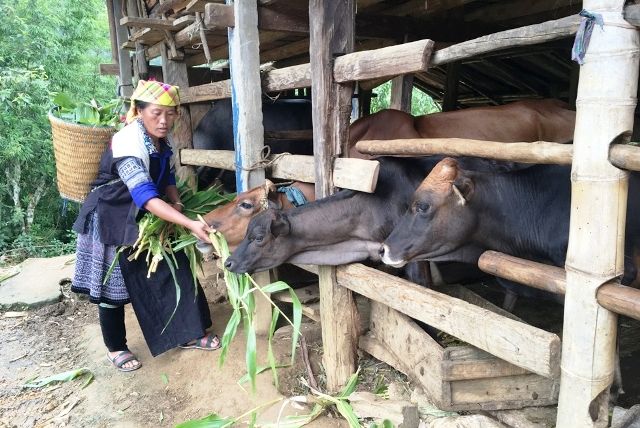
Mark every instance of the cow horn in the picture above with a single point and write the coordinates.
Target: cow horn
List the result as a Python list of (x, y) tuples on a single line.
[(442, 175), (457, 191)]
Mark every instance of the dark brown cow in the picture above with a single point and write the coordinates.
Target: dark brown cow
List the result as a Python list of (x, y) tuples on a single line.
[(528, 120), (233, 218)]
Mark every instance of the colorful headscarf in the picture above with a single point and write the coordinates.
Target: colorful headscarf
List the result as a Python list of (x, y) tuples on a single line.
[(153, 92)]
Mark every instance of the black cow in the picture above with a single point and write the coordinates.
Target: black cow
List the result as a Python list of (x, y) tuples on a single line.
[(343, 228), (215, 132), (458, 214)]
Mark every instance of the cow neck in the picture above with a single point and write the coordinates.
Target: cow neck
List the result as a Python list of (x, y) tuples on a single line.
[(523, 213)]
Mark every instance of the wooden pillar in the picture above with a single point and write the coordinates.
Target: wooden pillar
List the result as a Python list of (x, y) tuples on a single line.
[(248, 131), (125, 87), (175, 73), (332, 34), (605, 108), (113, 38), (451, 87), (401, 88)]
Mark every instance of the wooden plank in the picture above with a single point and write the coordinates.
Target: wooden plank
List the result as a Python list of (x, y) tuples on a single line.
[(401, 91), (183, 22), (147, 36), (529, 389), (611, 295), (207, 92), (385, 62), (349, 173), (523, 36), (282, 79), (332, 32), (154, 23), (312, 311), (303, 134), (110, 69), (520, 344), (221, 16), (535, 152)]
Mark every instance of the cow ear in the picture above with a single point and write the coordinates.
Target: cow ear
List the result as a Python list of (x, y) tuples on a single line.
[(280, 224), (463, 187), (272, 195)]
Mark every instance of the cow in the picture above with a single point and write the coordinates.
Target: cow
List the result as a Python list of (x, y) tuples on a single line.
[(520, 121), (233, 218), (457, 214), (346, 227), (215, 132)]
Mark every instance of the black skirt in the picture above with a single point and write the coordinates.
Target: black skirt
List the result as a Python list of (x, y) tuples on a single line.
[(154, 300)]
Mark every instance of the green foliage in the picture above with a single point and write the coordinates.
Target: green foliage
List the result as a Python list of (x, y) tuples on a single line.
[(421, 103), (88, 113), (46, 46)]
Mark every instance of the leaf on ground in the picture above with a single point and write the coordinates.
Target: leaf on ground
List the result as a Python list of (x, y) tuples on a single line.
[(211, 421), (62, 377), (165, 379)]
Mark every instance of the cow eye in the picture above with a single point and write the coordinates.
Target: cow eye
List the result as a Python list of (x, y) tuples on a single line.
[(422, 208), (246, 205), (258, 238)]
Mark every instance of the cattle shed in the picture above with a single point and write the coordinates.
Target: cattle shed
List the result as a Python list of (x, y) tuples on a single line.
[(463, 53)]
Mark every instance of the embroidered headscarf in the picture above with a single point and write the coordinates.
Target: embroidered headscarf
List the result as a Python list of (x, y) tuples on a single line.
[(153, 92)]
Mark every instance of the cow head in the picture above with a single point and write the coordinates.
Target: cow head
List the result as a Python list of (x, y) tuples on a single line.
[(264, 245), (439, 221), (233, 218)]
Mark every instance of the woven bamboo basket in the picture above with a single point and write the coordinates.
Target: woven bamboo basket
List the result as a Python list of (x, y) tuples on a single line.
[(77, 150)]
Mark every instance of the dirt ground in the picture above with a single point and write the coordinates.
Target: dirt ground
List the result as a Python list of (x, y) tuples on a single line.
[(172, 388), (180, 384)]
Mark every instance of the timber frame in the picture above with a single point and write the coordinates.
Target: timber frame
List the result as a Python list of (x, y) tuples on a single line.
[(462, 53)]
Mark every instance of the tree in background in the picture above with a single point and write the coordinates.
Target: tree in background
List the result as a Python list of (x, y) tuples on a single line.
[(421, 103), (46, 46)]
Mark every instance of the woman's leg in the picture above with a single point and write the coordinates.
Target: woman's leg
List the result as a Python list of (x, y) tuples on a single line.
[(114, 332)]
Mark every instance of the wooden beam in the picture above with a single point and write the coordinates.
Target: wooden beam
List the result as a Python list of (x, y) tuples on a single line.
[(524, 36), (113, 38), (612, 295), (450, 100), (520, 344), (384, 62), (109, 69), (401, 91), (332, 33), (349, 173), (125, 86), (218, 16), (154, 23), (534, 152)]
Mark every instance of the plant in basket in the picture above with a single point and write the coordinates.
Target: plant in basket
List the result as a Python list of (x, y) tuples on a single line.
[(89, 113)]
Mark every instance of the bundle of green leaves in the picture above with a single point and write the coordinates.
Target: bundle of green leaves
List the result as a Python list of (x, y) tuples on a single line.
[(89, 113)]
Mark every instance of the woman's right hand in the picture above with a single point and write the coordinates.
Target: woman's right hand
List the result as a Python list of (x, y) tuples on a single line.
[(201, 231)]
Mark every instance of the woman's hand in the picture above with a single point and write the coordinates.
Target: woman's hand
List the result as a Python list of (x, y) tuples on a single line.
[(201, 231)]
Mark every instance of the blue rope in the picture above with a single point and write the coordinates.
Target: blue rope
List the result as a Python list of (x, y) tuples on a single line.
[(583, 36), (294, 195)]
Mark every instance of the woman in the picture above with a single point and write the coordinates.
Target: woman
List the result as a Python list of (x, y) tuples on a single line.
[(133, 176)]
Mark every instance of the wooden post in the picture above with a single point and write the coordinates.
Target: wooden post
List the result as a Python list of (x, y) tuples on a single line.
[(248, 131), (605, 108), (175, 73), (125, 86), (332, 34), (451, 87), (401, 88), (112, 32)]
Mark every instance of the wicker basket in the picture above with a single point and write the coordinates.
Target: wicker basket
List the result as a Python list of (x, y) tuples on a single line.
[(77, 149)]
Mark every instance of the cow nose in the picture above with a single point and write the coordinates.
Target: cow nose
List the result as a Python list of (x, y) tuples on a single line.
[(229, 264), (381, 250)]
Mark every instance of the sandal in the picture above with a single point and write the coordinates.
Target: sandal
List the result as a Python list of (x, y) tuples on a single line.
[(122, 358), (208, 342)]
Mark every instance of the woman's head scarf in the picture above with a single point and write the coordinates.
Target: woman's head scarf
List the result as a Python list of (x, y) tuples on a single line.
[(153, 92)]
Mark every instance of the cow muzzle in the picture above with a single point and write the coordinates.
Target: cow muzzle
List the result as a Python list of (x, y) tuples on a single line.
[(385, 256)]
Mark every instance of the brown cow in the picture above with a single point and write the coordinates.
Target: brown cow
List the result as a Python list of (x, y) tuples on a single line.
[(233, 218), (527, 120)]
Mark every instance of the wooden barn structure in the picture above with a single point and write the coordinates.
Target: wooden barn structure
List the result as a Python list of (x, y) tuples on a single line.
[(462, 53)]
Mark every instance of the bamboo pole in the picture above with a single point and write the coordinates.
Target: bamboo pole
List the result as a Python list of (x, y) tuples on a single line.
[(604, 109), (612, 295)]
